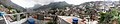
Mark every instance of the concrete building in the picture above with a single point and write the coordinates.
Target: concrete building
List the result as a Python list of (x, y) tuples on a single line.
[(67, 19)]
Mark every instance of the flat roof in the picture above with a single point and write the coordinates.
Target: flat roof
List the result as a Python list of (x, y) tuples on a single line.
[(69, 19)]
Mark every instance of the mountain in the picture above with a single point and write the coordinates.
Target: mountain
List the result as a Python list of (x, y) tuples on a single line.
[(8, 3), (58, 4), (53, 5), (36, 6)]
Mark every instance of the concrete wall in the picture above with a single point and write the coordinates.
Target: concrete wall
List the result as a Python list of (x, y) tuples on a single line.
[(61, 21)]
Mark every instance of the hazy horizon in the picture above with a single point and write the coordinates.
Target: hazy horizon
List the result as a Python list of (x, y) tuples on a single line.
[(31, 3)]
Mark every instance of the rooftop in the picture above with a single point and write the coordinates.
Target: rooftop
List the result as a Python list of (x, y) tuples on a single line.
[(69, 19)]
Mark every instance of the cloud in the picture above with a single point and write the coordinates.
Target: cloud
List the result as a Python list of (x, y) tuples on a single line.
[(31, 3), (24, 3)]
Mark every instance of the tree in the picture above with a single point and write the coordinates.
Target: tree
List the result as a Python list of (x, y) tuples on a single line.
[(111, 17)]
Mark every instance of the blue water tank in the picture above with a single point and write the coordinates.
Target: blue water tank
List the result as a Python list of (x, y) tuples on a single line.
[(75, 21), (31, 21), (1, 13)]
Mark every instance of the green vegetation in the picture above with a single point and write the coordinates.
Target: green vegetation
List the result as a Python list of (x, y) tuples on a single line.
[(50, 22), (12, 10), (110, 17)]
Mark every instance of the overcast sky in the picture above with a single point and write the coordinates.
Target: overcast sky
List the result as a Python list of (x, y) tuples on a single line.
[(31, 3)]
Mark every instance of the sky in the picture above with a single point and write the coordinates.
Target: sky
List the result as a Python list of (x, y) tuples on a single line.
[(31, 3)]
